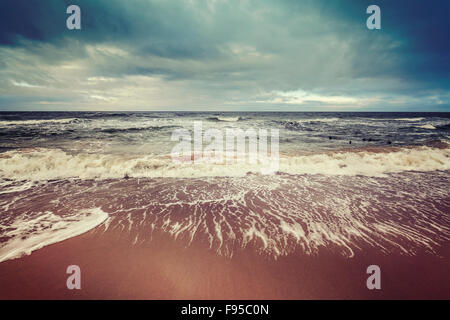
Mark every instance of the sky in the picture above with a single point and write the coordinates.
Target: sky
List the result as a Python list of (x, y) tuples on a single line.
[(225, 55)]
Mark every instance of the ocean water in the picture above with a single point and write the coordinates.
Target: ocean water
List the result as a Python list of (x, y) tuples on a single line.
[(114, 145), (345, 181)]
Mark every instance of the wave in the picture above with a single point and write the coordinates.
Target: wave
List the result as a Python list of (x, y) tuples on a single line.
[(427, 126), (318, 120), (371, 163), (224, 119), (26, 235), (405, 119), (137, 129), (54, 164), (106, 115), (445, 127), (396, 119), (34, 122)]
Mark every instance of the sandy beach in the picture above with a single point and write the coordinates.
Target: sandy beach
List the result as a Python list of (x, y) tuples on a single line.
[(166, 269)]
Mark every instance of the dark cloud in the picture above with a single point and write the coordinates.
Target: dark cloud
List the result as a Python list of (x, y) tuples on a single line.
[(227, 50)]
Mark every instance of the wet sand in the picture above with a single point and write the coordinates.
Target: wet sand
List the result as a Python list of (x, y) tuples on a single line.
[(164, 268)]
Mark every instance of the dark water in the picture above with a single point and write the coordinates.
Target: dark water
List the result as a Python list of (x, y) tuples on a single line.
[(302, 130)]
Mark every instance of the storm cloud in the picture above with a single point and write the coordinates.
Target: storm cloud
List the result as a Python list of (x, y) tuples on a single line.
[(224, 55)]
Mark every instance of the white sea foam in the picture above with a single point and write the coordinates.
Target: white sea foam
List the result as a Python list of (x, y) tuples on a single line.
[(51, 164), (397, 119), (277, 215), (14, 186), (369, 163), (427, 126), (27, 235), (228, 119), (318, 120), (406, 119), (274, 215), (34, 122)]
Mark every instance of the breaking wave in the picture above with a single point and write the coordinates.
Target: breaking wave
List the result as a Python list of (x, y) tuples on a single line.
[(318, 120), (137, 129), (35, 122), (407, 119), (427, 126), (225, 119), (52, 164)]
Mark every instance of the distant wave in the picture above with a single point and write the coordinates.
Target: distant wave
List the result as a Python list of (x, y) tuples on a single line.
[(54, 164), (106, 115), (136, 129), (397, 119), (34, 122), (318, 120), (427, 126), (405, 119), (225, 119), (302, 124)]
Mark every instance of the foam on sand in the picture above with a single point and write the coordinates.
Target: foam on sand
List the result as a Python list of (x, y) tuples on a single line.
[(274, 215), (277, 215), (26, 235)]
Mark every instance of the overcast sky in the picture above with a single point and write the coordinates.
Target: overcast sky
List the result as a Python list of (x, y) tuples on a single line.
[(225, 56)]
